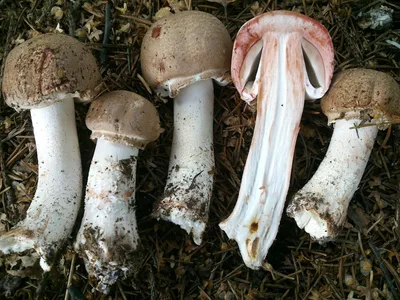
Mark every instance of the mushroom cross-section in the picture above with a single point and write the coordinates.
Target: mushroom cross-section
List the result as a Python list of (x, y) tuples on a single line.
[(282, 57), (359, 102), (181, 54), (45, 74), (122, 122)]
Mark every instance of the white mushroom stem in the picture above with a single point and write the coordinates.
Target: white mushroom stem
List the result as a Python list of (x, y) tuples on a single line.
[(189, 184), (255, 219), (108, 233), (320, 207), (52, 213)]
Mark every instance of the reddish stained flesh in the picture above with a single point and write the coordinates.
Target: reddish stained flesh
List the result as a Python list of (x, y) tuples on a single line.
[(280, 22), (280, 85), (44, 62), (156, 32), (279, 109)]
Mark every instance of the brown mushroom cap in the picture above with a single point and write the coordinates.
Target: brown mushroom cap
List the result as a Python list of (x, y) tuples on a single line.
[(48, 68), (124, 117), (183, 48), (363, 94)]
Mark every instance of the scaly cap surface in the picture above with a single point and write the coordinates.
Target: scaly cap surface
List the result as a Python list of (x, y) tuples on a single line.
[(362, 93), (48, 68)]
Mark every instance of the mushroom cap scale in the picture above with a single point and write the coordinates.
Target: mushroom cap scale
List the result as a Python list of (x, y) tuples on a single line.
[(183, 48), (124, 117), (47, 69), (364, 94)]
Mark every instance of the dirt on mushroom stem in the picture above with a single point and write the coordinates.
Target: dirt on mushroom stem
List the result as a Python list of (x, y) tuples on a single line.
[(172, 264)]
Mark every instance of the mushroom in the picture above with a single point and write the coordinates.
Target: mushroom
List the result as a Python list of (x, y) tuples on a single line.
[(181, 54), (45, 74), (283, 57), (359, 102), (122, 122)]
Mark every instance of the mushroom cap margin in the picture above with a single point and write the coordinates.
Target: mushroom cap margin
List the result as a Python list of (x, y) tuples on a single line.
[(183, 48), (124, 117), (362, 93)]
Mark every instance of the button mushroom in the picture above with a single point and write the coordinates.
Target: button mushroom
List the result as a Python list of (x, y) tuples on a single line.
[(181, 54), (283, 57), (359, 102), (45, 74), (122, 122)]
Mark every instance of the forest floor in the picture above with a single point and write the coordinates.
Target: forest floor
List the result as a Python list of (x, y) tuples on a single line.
[(362, 263)]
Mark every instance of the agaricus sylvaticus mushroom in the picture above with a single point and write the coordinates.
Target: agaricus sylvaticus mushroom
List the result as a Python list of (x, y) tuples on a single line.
[(45, 74), (181, 54), (122, 122), (283, 57), (359, 102)]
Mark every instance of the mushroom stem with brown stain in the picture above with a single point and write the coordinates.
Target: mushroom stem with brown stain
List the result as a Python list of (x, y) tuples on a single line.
[(281, 57), (45, 74), (182, 54), (359, 102), (108, 234), (52, 212), (188, 189), (320, 206), (122, 122)]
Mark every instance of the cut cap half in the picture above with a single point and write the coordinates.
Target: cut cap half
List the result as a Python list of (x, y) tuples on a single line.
[(248, 52)]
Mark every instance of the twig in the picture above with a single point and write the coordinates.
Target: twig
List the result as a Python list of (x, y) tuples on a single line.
[(9, 191), (40, 288), (121, 291), (74, 7), (107, 31), (386, 274), (71, 274)]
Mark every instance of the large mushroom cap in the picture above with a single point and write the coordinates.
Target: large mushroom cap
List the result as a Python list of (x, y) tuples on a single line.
[(183, 48), (124, 117), (362, 93), (48, 68)]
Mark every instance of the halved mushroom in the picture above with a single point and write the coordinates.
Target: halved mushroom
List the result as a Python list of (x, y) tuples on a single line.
[(282, 57)]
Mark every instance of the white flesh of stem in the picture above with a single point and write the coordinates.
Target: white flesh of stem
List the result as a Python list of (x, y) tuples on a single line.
[(320, 207), (53, 210), (189, 184), (255, 219), (108, 234)]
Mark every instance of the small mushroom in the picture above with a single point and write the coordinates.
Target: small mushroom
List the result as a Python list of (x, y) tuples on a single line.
[(122, 122), (283, 57), (45, 74), (181, 54), (359, 102)]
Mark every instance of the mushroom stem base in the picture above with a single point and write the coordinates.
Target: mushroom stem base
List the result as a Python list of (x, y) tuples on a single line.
[(108, 234), (188, 190), (54, 208), (320, 207)]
